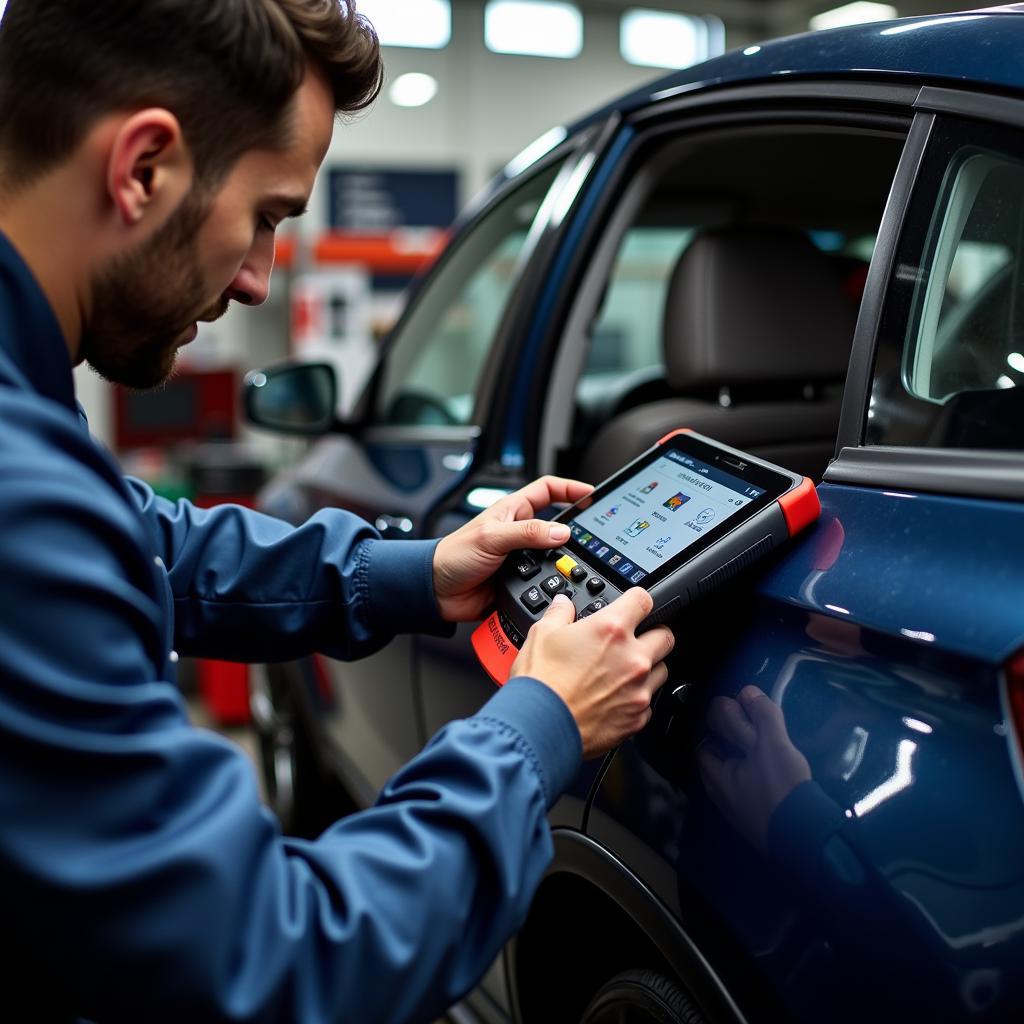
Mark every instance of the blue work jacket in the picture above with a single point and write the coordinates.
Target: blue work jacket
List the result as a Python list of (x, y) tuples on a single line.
[(141, 879)]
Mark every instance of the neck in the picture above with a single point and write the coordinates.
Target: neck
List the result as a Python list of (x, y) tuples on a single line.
[(41, 225)]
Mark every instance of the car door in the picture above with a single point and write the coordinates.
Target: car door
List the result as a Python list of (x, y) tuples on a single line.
[(828, 798), (415, 441)]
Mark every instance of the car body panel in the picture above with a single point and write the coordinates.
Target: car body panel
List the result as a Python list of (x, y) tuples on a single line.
[(370, 714), (980, 48), (906, 735)]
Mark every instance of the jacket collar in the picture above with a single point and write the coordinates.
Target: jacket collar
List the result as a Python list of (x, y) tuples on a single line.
[(33, 353)]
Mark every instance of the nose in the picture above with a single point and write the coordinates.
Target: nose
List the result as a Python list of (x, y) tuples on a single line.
[(251, 285)]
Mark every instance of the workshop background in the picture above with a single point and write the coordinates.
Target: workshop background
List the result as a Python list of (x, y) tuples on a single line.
[(471, 86)]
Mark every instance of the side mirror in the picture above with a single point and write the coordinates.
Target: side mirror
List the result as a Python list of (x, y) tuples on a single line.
[(293, 398)]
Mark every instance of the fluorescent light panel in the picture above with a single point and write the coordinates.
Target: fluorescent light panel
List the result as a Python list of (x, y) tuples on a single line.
[(534, 28), (424, 24), (413, 90), (660, 39), (860, 13)]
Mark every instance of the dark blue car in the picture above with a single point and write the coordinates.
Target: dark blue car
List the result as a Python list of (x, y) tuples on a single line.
[(812, 250)]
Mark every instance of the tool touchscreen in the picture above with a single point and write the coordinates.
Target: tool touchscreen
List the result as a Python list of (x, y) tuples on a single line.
[(637, 527)]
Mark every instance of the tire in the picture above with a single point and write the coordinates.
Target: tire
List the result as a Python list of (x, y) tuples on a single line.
[(642, 996)]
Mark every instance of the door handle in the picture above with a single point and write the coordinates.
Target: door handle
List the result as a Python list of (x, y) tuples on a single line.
[(394, 527)]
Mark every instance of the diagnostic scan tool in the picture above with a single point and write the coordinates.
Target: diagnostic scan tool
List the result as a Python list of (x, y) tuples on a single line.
[(680, 520)]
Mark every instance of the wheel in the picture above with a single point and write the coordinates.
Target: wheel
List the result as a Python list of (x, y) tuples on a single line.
[(641, 996)]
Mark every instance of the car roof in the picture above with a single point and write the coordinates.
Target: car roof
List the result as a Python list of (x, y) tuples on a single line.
[(982, 47)]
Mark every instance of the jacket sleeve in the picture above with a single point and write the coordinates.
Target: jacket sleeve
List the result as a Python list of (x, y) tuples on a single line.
[(248, 587), (140, 872)]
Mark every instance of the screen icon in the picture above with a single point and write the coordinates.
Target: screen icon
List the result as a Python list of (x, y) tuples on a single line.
[(626, 568), (615, 559), (613, 511), (602, 551), (676, 502), (637, 577), (586, 538), (638, 526), (660, 543), (594, 544), (704, 517), (650, 487)]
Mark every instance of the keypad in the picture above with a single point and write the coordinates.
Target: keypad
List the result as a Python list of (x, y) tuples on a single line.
[(554, 584), (594, 606), (526, 566)]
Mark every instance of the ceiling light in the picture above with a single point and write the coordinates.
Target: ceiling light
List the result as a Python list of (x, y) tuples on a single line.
[(1016, 360), (426, 24), (534, 28), (859, 13), (413, 90), (660, 39)]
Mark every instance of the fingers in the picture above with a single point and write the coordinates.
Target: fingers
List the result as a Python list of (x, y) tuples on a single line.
[(501, 538), (658, 643), (560, 613), (657, 679), (727, 718), (546, 491), (631, 609)]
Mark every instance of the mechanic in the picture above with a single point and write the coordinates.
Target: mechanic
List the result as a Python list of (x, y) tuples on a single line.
[(148, 151)]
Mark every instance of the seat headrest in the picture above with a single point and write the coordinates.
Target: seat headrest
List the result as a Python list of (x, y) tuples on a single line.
[(751, 305)]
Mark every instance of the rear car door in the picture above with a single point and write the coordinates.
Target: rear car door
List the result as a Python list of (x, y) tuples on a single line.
[(828, 799)]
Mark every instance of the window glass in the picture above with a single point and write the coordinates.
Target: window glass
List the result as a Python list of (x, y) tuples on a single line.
[(433, 365), (625, 340), (626, 344), (951, 350)]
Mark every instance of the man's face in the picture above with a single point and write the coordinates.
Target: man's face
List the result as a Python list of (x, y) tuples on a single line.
[(212, 250)]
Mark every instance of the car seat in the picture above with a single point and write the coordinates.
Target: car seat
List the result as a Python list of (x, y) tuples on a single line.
[(757, 331)]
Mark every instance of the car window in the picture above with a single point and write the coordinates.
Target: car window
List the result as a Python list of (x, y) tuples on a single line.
[(626, 336), (432, 367), (951, 347)]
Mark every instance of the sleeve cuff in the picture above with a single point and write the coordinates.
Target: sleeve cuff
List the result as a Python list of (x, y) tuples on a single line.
[(399, 581), (541, 717)]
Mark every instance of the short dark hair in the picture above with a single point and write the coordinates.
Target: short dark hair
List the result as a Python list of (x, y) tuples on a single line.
[(227, 69)]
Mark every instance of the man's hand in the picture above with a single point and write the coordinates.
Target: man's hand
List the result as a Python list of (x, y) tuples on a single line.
[(604, 672), (466, 561)]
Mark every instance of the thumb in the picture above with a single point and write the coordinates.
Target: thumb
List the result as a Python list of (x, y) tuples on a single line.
[(503, 538), (561, 612)]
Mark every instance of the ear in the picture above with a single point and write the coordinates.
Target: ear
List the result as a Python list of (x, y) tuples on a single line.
[(149, 170)]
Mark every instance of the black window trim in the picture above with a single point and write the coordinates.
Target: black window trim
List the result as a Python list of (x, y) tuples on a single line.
[(988, 474), (972, 473)]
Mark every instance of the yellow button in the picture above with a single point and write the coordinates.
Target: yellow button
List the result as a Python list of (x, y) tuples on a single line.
[(565, 565)]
